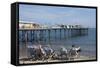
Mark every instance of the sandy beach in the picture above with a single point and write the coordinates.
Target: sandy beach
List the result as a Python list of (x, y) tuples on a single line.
[(23, 54), (81, 58)]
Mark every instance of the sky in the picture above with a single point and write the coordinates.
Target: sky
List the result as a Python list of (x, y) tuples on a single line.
[(53, 15)]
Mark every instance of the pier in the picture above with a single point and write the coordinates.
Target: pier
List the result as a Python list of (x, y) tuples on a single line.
[(50, 34)]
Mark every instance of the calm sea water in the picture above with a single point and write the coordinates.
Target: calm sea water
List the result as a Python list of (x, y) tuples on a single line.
[(86, 42)]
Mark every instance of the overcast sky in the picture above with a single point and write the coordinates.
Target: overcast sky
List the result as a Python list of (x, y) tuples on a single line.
[(57, 15)]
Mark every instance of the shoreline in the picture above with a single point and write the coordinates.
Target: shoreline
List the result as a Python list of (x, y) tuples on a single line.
[(81, 58)]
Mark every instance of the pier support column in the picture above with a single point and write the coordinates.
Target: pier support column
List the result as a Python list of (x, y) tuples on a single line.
[(32, 35), (64, 33), (60, 34), (49, 35), (55, 35), (45, 35)]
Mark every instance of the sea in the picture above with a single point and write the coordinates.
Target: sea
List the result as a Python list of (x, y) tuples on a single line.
[(87, 43)]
